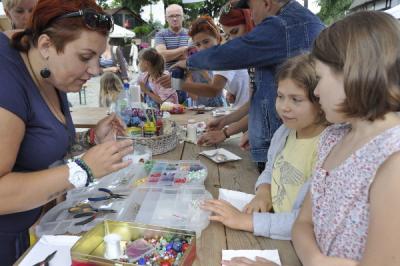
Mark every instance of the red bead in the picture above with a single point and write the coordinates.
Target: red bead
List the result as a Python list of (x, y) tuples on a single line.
[(185, 246), (165, 263)]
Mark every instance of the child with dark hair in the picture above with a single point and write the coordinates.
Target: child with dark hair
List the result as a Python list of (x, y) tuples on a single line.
[(151, 63)]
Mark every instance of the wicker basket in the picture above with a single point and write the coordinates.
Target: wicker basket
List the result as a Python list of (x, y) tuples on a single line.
[(159, 144)]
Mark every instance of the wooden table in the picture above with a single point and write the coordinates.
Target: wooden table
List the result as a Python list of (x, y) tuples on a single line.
[(87, 117), (240, 175)]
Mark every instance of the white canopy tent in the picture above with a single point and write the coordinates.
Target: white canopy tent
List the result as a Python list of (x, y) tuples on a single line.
[(121, 32), (394, 11)]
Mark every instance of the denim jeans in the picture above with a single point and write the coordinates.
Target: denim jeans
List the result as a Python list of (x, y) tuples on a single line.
[(277, 38)]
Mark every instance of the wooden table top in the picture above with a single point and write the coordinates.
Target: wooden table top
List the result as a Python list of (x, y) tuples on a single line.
[(87, 117), (240, 175)]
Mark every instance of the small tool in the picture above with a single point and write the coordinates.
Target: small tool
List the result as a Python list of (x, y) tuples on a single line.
[(46, 261), (86, 207), (111, 195)]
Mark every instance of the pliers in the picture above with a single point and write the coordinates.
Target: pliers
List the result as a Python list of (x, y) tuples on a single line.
[(111, 195)]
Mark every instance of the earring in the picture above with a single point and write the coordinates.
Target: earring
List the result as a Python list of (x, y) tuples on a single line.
[(45, 73)]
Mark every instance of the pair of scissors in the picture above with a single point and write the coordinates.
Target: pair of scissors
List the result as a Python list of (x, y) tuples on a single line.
[(46, 261), (110, 195), (85, 209)]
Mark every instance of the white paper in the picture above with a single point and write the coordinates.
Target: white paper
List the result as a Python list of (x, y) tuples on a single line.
[(211, 154), (191, 1), (271, 255), (48, 244), (236, 198)]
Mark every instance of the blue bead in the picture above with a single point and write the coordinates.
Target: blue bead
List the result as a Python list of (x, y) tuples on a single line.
[(177, 246), (169, 246), (142, 261)]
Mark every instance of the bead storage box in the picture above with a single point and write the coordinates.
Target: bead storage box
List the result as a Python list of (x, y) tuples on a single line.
[(176, 207), (145, 245), (177, 173)]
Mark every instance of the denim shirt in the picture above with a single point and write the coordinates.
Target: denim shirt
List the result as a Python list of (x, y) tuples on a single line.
[(277, 38)]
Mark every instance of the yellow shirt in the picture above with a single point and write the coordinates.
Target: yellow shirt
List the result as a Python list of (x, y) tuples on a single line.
[(292, 168)]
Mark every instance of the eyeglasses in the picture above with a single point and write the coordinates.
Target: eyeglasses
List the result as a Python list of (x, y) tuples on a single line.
[(175, 16), (92, 19)]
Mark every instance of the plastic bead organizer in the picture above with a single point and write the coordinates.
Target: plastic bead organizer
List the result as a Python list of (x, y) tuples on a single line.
[(175, 173)]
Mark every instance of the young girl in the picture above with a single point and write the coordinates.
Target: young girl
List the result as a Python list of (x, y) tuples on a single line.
[(151, 63), (351, 216), (110, 86), (207, 85), (284, 183)]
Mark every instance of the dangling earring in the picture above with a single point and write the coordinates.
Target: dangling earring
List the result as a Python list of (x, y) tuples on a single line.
[(45, 73)]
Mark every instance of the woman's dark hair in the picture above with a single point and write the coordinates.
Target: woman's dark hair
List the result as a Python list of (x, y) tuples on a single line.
[(205, 24), (61, 31)]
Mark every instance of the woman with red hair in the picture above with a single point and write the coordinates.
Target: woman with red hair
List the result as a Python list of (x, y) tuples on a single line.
[(57, 53)]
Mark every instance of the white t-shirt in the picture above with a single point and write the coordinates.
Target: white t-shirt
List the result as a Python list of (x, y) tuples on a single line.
[(237, 84)]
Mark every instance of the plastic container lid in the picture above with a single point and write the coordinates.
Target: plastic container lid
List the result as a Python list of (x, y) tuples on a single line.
[(191, 121)]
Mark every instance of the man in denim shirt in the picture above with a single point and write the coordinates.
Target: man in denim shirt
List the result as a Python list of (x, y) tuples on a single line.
[(283, 29)]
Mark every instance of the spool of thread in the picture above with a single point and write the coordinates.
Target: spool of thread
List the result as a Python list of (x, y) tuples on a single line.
[(112, 246), (191, 134)]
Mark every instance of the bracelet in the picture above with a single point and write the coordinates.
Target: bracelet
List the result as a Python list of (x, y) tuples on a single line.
[(225, 133), (92, 137), (87, 169)]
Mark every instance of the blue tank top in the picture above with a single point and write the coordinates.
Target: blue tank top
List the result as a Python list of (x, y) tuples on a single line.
[(46, 139)]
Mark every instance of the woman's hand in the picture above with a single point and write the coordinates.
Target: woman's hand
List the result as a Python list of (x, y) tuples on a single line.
[(107, 157), (108, 128), (262, 202), (211, 138), (244, 143), (180, 63), (242, 261), (215, 124), (228, 215)]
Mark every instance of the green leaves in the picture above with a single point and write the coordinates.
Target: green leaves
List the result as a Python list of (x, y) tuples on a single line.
[(332, 10)]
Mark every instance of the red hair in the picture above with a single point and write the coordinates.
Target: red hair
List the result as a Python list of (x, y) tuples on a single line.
[(205, 24), (62, 31), (237, 16)]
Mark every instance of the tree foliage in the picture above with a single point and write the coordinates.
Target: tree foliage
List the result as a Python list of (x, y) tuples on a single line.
[(134, 5), (192, 11), (332, 10)]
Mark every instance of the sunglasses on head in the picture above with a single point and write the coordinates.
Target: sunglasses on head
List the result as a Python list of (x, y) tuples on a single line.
[(92, 19)]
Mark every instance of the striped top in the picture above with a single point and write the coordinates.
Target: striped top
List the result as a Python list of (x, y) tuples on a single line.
[(172, 40)]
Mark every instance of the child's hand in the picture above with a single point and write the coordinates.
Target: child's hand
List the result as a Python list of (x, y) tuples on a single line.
[(244, 143), (165, 81), (229, 215), (262, 202), (242, 261)]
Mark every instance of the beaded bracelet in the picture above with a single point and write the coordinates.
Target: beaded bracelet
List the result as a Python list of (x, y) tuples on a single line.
[(87, 169)]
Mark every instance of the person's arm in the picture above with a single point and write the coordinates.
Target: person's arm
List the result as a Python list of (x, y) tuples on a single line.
[(151, 94), (264, 45), (172, 54), (383, 241), (237, 115), (27, 190), (203, 89)]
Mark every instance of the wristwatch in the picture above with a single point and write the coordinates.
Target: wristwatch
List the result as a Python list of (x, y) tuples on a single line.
[(77, 175), (225, 133)]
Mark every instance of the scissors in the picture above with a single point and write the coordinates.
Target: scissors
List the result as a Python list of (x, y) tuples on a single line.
[(110, 195), (46, 261), (85, 209)]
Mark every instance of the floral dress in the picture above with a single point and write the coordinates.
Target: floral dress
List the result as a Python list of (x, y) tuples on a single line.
[(340, 197)]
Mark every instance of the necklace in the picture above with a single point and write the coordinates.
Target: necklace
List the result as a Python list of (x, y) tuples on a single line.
[(54, 110)]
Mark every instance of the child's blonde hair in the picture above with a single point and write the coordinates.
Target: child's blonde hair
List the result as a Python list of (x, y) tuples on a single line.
[(301, 70), (110, 86)]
